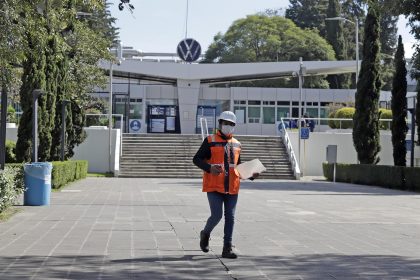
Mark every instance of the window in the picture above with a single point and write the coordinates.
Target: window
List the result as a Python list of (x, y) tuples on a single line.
[(323, 113), (136, 108), (254, 102), (269, 103), (240, 112), (282, 112), (254, 114), (239, 102), (269, 115), (283, 103)]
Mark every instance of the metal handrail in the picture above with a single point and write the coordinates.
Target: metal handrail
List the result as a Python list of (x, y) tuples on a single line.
[(290, 152), (205, 133), (341, 120)]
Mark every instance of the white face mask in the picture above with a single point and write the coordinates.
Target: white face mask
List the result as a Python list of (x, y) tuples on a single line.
[(227, 129)]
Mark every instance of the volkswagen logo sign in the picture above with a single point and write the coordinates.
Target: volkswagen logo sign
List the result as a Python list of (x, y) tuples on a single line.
[(189, 50)]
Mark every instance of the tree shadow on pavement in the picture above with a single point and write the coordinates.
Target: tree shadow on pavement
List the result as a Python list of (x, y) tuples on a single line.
[(309, 266), (323, 187)]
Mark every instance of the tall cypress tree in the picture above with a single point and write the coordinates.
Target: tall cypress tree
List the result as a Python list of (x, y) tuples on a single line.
[(62, 93), (33, 78), (47, 100), (335, 37), (366, 117), (399, 106), (76, 119)]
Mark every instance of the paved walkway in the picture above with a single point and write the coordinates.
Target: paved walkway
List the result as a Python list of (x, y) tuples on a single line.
[(109, 228)]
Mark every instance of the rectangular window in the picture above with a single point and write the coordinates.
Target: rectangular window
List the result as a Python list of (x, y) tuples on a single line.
[(240, 112), (269, 115), (119, 108), (323, 113), (136, 110), (295, 103), (269, 103), (239, 102), (254, 114), (254, 102), (283, 103), (282, 112)]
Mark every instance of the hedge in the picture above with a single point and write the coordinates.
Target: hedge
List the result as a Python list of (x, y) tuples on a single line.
[(12, 178), (393, 177), (64, 172)]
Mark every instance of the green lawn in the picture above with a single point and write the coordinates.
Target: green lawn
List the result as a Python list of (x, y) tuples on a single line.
[(8, 213), (108, 174)]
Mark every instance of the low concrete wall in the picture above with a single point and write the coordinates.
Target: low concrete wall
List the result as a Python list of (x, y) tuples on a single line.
[(94, 149), (314, 150)]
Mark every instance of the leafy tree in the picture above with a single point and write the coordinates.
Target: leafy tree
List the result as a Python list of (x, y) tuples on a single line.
[(262, 38), (308, 14), (335, 37), (411, 9), (61, 55), (388, 39), (399, 106), (11, 51), (366, 117), (33, 77)]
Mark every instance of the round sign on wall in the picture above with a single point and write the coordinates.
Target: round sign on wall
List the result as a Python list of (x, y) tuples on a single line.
[(135, 126), (189, 50)]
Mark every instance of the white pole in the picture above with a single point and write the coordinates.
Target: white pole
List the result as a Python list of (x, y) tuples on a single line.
[(300, 105), (186, 22), (110, 116)]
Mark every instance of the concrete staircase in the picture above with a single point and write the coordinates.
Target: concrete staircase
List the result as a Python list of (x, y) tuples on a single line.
[(170, 156)]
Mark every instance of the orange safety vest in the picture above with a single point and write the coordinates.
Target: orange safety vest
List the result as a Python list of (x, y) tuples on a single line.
[(226, 153)]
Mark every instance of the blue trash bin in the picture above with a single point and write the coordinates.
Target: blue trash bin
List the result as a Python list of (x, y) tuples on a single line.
[(37, 183)]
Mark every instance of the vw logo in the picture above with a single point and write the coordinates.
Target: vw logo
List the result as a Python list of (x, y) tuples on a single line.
[(189, 50)]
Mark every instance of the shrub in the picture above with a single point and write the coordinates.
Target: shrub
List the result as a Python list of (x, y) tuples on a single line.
[(387, 115), (11, 185), (11, 114), (331, 123), (332, 109), (344, 113), (10, 151), (65, 172)]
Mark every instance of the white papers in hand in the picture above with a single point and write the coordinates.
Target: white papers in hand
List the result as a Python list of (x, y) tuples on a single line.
[(247, 169)]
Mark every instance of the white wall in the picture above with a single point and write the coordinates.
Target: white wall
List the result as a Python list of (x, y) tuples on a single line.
[(94, 149), (316, 150)]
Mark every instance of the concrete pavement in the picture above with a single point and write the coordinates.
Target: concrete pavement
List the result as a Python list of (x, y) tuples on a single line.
[(112, 228)]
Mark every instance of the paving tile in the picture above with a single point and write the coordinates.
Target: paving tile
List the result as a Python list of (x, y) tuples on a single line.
[(117, 228)]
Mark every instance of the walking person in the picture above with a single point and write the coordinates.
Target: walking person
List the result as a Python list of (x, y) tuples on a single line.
[(217, 157)]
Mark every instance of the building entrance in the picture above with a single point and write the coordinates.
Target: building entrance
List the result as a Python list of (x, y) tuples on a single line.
[(163, 119)]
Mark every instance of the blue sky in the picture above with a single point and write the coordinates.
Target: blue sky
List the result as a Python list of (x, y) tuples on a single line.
[(159, 25)]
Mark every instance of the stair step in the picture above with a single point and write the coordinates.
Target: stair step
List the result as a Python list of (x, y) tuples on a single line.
[(170, 156)]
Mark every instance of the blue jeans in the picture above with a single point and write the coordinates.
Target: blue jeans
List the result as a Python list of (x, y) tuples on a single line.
[(216, 201)]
